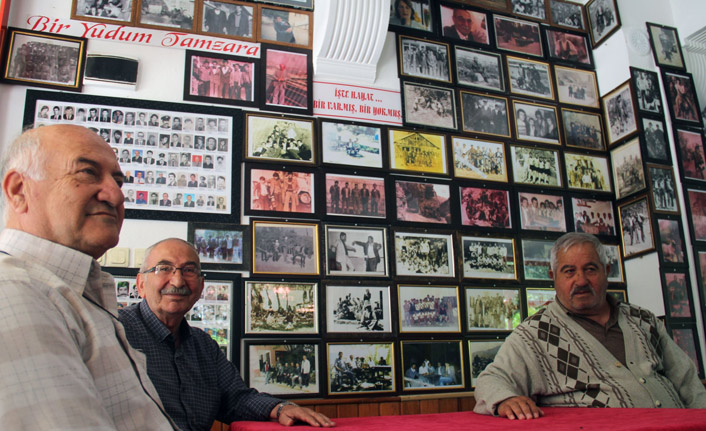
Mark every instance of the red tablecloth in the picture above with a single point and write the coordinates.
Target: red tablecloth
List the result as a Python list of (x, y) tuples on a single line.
[(579, 419)]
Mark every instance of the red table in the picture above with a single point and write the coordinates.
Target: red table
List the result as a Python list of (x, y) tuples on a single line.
[(555, 418)]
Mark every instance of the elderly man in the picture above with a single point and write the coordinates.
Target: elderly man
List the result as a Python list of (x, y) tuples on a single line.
[(170, 282), (463, 27), (585, 349), (65, 362)]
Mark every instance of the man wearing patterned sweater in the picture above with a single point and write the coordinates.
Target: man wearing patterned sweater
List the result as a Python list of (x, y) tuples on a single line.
[(587, 350)]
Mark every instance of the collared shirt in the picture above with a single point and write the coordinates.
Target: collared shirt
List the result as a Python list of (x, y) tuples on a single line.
[(195, 380), (65, 362)]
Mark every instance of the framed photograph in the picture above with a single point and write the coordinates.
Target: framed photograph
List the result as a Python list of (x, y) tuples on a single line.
[(603, 19), (535, 166), (516, 35), (671, 243), (358, 309), (492, 309), (616, 273), (278, 138), (424, 59), (534, 10), (177, 159), (423, 254), (108, 12), (178, 14), (681, 96), (568, 47), (647, 93), (593, 216), (479, 69), (653, 133), (620, 114), (530, 78), (301, 4), (628, 171), (692, 159), (488, 258), (665, 46), (583, 129), (237, 76), (428, 308), (536, 123), (279, 307), (356, 251), (500, 5), (636, 227), (482, 113), (676, 295), (355, 196), (415, 15), (485, 207), (417, 152), (686, 337), (281, 192), (663, 187), (567, 14), (536, 259), (25, 48), (538, 298), (423, 202), (481, 353), (464, 25), (479, 160), (285, 26), (697, 210), (700, 256), (125, 286), (620, 295), (220, 246), (539, 211), (351, 144), (577, 87), (285, 248), (230, 19), (267, 363), (287, 80), (360, 368), (429, 106), (432, 365)]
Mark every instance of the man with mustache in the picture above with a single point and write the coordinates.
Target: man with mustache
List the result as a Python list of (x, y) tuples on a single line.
[(585, 349), (195, 380), (65, 362)]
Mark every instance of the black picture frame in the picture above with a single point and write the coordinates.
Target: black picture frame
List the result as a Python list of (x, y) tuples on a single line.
[(676, 288), (594, 215), (411, 261), (356, 257), (352, 144), (628, 168), (603, 19), (536, 11), (501, 257), (636, 227), (175, 16), (653, 133), (424, 59), (665, 45), (528, 128), (696, 209), (485, 114), (536, 166), (518, 36), (529, 78), (109, 13), (484, 207), (286, 191), (567, 14), (385, 367), (286, 79), (440, 296), (418, 201), (681, 97), (619, 113), (242, 90), (474, 23), (418, 356), (429, 106), (536, 260), (294, 28), (583, 129), (422, 17), (691, 153), (647, 92), (339, 204), (264, 139), (570, 48), (239, 20), (236, 258), (342, 312), (541, 211), (301, 4), (686, 337), (479, 69), (671, 250), (663, 189)]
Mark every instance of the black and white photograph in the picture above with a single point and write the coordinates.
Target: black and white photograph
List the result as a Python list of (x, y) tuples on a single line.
[(615, 274), (285, 248), (279, 139), (671, 243), (424, 59), (284, 369), (359, 309), (479, 160), (530, 78), (485, 207), (176, 14), (219, 78), (536, 259), (628, 172), (593, 216), (349, 144), (692, 156), (356, 251), (220, 246), (285, 26), (663, 187), (603, 19), (536, 9), (464, 25), (428, 308), (489, 258), (355, 196), (647, 93), (620, 114), (486, 114), (681, 94), (567, 14), (636, 227), (665, 46), (481, 353), (536, 123), (278, 307), (492, 309), (586, 172), (428, 105), (411, 14), (432, 365), (583, 129), (107, 11), (568, 47), (419, 254), (577, 87), (479, 69), (655, 139), (423, 202), (360, 368), (518, 35), (224, 19), (543, 212), (535, 166)]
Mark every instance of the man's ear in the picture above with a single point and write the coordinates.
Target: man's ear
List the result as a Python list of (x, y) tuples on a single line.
[(551, 274), (15, 186), (141, 283)]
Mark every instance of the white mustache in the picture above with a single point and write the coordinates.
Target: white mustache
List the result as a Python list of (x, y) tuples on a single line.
[(184, 290)]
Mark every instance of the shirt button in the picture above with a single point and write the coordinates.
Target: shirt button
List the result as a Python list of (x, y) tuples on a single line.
[(658, 403), (643, 381)]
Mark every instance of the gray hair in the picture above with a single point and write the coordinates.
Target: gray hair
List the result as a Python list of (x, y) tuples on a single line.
[(571, 239), (149, 249), (26, 156)]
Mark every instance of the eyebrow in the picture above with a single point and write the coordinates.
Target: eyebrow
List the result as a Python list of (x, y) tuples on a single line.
[(83, 160)]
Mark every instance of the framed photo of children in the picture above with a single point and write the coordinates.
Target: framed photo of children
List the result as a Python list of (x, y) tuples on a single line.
[(603, 19), (615, 274), (428, 308), (375, 361), (285, 26), (482, 113), (535, 166), (281, 191), (266, 362), (665, 46), (356, 251), (671, 242), (536, 260), (568, 47), (351, 144), (479, 160), (518, 36), (593, 216), (488, 258), (414, 151), (492, 309), (697, 210), (663, 187), (286, 80), (479, 69), (536, 123), (620, 113), (567, 14), (429, 106), (542, 212), (481, 353), (423, 202), (285, 248), (279, 138), (344, 196), (122, 12), (358, 309), (681, 95), (483, 207), (432, 365), (677, 300), (583, 129), (692, 158), (235, 84), (231, 19), (628, 173), (424, 254), (221, 246), (278, 307), (647, 93), (424, 59), (636, 227), (576, 86)]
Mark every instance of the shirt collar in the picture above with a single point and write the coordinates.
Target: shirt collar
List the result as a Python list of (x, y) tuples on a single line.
[(612, 303), (157, 328)]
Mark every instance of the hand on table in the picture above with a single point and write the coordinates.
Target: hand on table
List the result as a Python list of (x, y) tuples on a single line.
[(292, 414), (520, 407)]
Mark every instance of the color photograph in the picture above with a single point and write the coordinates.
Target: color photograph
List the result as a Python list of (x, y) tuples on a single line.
[(351, 144), (273, 307), (423, 202), (360, 368), (492, 309), (418, 152), (428, 308), (485, 207), (587, 172), (536, 259), (355, 196), (479, 160), (284, 369), (542, 212), (432, 365), (279, 139), (593, 216)]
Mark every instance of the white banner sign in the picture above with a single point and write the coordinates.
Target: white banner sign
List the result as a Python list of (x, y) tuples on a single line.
[(357, 103)]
